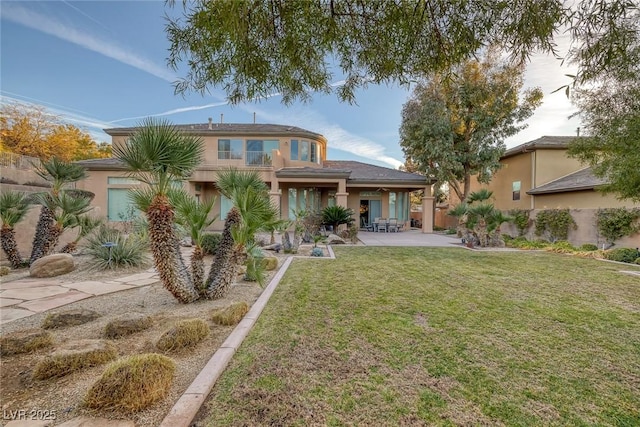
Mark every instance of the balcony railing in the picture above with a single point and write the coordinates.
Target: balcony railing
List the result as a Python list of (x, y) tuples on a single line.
[(18, 161), (258, 158)]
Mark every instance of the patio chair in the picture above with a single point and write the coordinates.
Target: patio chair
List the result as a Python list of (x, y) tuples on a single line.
[(376, 221), (393, 225), (382, 225)]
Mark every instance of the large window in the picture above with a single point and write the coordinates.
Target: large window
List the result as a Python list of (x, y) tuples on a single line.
[(314, 152), (307, 199), (399, 205), (229, 149), (259, 151), (119, 206)]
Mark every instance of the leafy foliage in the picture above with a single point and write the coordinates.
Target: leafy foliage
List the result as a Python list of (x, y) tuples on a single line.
[(615, 223), (33, 131), (454, 125), (210, 242), (521, 220), (588, 247), (555, 224), (479, 221), (622, 255), (317, 252), (337, 215)]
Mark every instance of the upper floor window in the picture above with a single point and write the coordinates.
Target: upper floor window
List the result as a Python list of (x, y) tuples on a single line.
[(229, 149), (259, 151), (314, 152), (300, 150), (515, 189)]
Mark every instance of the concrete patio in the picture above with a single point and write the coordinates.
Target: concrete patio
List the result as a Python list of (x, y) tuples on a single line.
[(407, 238)]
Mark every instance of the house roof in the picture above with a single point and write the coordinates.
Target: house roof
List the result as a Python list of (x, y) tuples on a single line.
[(547, 142), (584, 179), (366, 173), (244, 129)]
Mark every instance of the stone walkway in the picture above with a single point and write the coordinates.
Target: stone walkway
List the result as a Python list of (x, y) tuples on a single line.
[(25, 297)]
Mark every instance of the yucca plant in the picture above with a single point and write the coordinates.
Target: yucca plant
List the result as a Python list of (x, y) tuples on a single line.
[(13, 208), (125, 251), (59, 174), (194, 217), (158, 154)]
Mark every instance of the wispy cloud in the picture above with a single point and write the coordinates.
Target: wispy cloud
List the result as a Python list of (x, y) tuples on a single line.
[(91, 18), (175, 111), (45, 24)]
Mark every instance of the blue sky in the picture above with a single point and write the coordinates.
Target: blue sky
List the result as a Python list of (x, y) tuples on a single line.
[(102, 64)]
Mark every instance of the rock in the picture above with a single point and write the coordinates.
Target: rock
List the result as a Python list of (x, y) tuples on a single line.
[(69, 318), (277, 247), (52, 265), (270, 263), (286, 242), (334, 239)]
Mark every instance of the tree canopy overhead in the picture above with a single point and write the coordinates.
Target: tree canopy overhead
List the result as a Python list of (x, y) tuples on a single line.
[(255, 48), (454, 127)]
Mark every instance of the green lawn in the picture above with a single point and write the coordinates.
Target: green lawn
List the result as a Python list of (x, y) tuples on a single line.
[(423, 336)]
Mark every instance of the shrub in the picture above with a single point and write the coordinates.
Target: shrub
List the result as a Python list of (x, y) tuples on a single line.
[(336, 215), (4, 270), (185, 334), (133, 383), (127, 251), (555, 223), (73, 357), (638, 260), (588, 247), (25, 342), (627, 255), (317, 252), (210, 242), (562, 247), (520, 218), (231, 315), (615, 223)]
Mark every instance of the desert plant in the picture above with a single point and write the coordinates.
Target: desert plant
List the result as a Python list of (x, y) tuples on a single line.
[(4, 270), (58, 173), (615, 223), (157, 155), (352, 233), (186, 333), (25, 342), (133, 383), (317, 252), (78, 356), (337, 215), (122, 327), (520, 218), (86, 224), (231, 315), (638, 261), (627, 255), (13, 208), (562, 247), (554, 224), (111, 249)]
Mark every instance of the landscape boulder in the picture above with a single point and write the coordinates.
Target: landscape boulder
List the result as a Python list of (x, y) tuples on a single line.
[(334, 239), (270, 263), (52, 265)]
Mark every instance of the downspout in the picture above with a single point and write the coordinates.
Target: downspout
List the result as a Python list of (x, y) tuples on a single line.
[(533, 177)]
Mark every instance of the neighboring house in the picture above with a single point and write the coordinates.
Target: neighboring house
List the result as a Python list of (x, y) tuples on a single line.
[(540, 175), (292, 161)]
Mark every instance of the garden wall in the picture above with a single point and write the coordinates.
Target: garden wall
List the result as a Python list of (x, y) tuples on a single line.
[(587, 231)]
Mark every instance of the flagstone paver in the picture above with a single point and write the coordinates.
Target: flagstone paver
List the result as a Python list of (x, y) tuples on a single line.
[(25, 283), (142, 282), (9, 314), (27, 423), (6, 302), (44, 304), (139, 276), (34, 293), (97, 288)]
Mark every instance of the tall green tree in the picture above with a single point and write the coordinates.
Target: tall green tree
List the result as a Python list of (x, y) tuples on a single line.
[(158, 154), (608, 96), (454, 125)]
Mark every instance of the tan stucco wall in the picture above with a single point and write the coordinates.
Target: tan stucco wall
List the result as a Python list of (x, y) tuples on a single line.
[(553, 164), (587, 199)]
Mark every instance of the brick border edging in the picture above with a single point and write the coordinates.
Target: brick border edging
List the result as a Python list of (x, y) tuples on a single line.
[(185, 409)]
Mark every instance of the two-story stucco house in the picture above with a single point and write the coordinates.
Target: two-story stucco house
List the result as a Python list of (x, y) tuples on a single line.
[(291, 160)]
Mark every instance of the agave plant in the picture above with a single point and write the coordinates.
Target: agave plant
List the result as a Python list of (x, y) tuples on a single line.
[(59, 173), (13, 208), (158, 154)]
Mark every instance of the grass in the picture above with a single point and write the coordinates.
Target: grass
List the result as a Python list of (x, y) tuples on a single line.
[(231, 315), (74, 357), (25, 342), (412, 336), (185, 334), (133, 383)]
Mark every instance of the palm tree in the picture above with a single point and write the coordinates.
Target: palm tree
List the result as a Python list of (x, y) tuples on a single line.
[(194, 216), (65, 211), (159, 154), (13, 208), (252, 211), (86, 224), (59, 173)]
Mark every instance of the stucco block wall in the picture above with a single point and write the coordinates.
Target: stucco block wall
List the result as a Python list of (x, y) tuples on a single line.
[(587, 199), (553, 164)]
